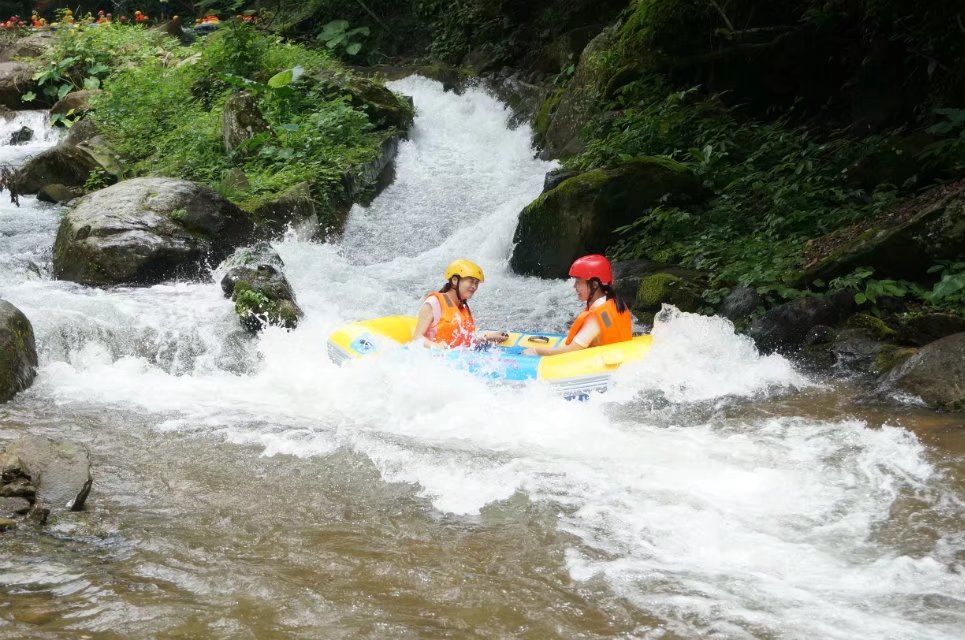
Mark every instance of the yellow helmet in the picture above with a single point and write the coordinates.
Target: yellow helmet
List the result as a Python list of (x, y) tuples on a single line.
[(464, 269)]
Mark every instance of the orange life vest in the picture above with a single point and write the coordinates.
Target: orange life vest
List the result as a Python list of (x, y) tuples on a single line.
[(455, 327), (614, 326)]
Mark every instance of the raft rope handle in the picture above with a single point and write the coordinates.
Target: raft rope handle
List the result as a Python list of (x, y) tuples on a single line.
[(540, 339)]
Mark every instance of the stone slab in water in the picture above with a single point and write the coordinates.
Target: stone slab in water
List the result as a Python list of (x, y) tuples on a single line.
[(60, 470)]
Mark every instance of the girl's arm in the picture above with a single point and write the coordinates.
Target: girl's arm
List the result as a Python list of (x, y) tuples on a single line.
[(422, 324)]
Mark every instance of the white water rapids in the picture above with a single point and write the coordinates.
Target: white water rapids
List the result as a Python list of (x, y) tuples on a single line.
[(715, 522)]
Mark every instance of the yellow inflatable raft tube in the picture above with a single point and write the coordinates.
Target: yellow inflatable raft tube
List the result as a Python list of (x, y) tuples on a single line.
[(573, 373)]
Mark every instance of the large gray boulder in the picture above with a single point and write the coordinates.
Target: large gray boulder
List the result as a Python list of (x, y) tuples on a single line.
[(18, 351), (147, 230), (936, 374), (578, 216)]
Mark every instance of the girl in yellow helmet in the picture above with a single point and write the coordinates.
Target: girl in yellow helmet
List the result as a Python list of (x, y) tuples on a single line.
[(444, 318)]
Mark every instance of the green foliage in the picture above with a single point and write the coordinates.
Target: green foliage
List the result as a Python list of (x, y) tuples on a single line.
[(98, 179), (166, 120), (949, 291), (952, 125), (249, 302), (82, 57), (338, 37), (775, 185)]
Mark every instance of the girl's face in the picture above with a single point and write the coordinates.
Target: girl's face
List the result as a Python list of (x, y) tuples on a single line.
[(467, 287), (582, 288)]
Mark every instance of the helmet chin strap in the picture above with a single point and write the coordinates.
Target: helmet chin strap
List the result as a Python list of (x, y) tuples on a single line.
[(595, 286), (462, 301)]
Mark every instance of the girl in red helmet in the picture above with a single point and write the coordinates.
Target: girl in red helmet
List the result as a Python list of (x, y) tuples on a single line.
[(605, 320)]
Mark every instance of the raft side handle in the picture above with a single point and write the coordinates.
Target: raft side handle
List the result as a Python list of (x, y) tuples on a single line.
[(540, 339)]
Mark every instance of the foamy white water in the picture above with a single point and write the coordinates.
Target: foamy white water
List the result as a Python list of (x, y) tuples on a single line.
[(765, 527)]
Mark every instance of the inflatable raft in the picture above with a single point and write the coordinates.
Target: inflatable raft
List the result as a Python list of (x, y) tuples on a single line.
[(575, 373)]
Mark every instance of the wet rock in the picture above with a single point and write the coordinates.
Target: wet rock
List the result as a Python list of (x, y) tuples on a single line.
[(18, 352), (576, 104), (580, 214), (60, 470), (522, 97), (63, 164), (241, 121), (292, 208), (556, 176), (147, 230), (785, 327), (11, 467), (819, 335), (7, 523), (936, 374), (261, 293), (855, 350), (661, 288), (82, 131), (922, 328), (739, 304), (75, 102), (24, 135), (19, 488), (16, 78), (363, 183), (59, 193), (11, 507)]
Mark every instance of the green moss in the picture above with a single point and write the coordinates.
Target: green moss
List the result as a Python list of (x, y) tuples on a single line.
[(545, 113), (661, 288), (890, 357), (875, 327), (177, 215)]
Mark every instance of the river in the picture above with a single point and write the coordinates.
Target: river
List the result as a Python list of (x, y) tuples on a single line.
[(249, 488)]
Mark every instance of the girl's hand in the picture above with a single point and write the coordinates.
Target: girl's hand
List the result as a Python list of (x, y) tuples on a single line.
[(530, 352)]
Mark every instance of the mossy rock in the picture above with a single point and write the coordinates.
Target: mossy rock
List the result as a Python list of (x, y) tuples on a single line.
[(578, 216), (891, 356), (18, 351), (874, 327), (666, 288), (545, 113), (261, 293), (935, 373)]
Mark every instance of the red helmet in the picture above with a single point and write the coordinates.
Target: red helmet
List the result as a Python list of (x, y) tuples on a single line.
[(593, 266)]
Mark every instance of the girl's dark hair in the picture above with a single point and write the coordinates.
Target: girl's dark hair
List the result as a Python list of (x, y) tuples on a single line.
[(610, 295)]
